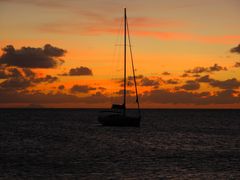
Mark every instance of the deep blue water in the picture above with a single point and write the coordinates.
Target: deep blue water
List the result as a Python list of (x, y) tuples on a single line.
[(69, 143)]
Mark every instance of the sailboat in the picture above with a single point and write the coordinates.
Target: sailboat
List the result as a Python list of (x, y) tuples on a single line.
[(117, 115)]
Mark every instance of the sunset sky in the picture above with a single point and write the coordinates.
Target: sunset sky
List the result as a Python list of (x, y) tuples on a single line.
[(58, 53)]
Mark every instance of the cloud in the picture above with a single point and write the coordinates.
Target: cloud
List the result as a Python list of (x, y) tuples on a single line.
[(235, 49), (29, 57), (41, 98), (81, 71), (197, 70), (172, 81), (21, 83), (205, 79), (179, 36), (3, 74), (189, 75), (81, 89), (161, 96), (149, 82), (46, 79), (166, 73), (28, 73), (216, 67), (22, 78), (227, 84), (9, 72), (136, 77), (53, 51), (44, 3), (120, 92), (165, 96), (12, 72), (102, 88), (182, 97), (196, 75), (35, 97), (98, 97), (191, 85), (99, 22), (154, 82), (61, 87), (16, 83), (103, 26), (237, 64), (210, 69), (223, 97), (185, 75)]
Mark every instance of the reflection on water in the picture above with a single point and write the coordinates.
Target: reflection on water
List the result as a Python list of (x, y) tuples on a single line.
[(71, 143)]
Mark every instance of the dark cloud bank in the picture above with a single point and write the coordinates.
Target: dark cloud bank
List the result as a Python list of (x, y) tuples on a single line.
[(161, 96), (232, 83), (22, 78), (17, 77), (183, 97), (38, 97)]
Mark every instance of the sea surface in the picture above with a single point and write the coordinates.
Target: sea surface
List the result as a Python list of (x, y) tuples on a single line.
[(70, 144)]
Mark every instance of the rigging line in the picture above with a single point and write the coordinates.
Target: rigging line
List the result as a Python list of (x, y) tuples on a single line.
[(134, 77), (125, 61), (115, 60)]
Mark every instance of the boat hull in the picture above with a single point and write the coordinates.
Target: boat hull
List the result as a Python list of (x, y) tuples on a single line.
[(119, 120)]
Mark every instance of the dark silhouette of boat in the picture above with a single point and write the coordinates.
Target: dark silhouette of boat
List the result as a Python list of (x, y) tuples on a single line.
[(117, 115)]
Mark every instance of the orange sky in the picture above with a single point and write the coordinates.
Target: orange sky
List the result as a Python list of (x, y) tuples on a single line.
[(167, 36)]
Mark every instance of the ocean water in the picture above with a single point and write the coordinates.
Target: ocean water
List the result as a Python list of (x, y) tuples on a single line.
[(70, 144)]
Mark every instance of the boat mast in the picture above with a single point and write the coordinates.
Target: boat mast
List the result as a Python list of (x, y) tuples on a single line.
[(125, 60), (133, 70)]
